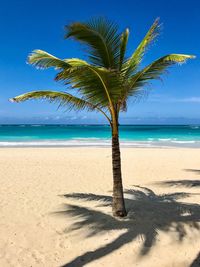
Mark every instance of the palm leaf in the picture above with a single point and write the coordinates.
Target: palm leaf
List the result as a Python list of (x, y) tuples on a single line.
[(154, 71), (98, 84), (62, 98), (43, 60), (123, 45), (133, 62), (101, 38)]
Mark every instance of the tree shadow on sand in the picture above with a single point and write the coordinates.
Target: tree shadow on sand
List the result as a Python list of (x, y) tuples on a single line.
[(197, 171), (148, 214), (186, 183), (196, 262)]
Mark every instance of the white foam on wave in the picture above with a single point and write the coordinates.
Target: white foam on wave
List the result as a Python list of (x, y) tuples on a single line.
[(49, 143), (167, 139), (86, 139), (194, 127), (184, 142), (91, 142)]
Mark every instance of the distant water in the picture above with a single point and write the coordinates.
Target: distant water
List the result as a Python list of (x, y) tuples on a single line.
[(99, 135)]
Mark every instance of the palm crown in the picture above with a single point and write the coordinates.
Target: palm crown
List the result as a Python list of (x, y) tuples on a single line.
[(109, 78)]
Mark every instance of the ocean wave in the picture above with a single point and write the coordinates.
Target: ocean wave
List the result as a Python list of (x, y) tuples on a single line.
[(194, 127), (87, 138), (167, 139), (185, 142), (51, 143), (91, 142)]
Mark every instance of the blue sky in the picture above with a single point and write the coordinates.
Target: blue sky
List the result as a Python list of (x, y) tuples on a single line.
[(28, 25)]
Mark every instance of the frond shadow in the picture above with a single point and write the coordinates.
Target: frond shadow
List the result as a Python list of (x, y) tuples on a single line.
[(186, 183), (196, 262), (197, 171), (148, 214)]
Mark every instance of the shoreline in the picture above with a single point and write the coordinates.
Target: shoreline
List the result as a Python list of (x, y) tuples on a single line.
[(98, 143)]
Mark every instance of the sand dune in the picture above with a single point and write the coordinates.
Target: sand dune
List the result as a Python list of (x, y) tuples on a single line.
[(55, 208)]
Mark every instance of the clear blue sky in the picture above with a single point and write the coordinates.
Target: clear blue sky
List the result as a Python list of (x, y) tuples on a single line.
[(27, 25)]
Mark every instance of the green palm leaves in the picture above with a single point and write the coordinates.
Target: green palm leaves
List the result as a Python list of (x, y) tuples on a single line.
[(123, 44), (108, 78), (101, 38), (62, 98), (154, 71), (44, 60), (134, 61)]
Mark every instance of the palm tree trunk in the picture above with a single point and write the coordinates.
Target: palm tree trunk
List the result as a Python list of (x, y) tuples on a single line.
[(118, 205)]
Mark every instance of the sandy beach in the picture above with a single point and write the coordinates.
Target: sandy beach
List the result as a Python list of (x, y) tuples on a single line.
[(43, 224)]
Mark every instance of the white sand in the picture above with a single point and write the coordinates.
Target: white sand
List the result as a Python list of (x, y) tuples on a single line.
[(159, 231)]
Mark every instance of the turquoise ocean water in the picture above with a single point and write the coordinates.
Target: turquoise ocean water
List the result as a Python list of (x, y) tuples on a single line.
[(99, 135)]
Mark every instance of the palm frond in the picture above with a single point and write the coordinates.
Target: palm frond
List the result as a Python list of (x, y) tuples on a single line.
[(101, 38), (134, 61), (62, 98), (98, 84), (44, 60), (154, 71), (123, 45)]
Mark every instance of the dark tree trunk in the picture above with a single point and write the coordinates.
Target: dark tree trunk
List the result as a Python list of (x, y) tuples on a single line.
[(118, 206)]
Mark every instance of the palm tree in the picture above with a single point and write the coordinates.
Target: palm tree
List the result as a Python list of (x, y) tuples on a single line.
[(105, 82)]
